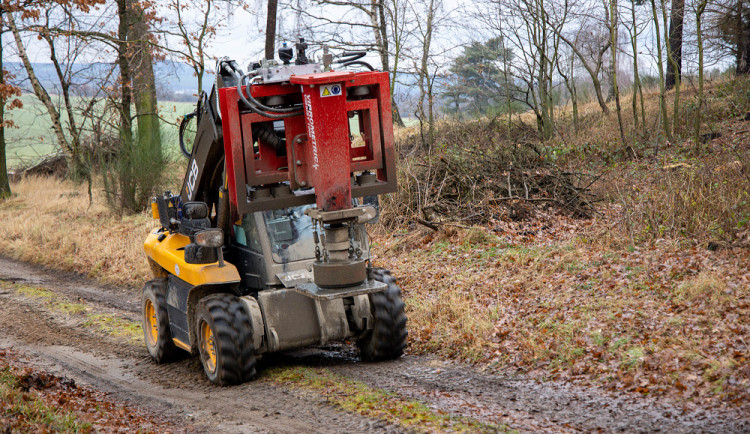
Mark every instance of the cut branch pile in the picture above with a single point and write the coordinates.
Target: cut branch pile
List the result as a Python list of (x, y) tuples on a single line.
[(481, 178)]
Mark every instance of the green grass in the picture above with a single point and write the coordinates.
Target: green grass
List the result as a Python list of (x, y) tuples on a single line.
[(34, 137), (117, 327), (24, 412)]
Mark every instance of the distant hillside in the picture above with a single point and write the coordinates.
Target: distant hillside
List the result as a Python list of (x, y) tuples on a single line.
[(175, 81)]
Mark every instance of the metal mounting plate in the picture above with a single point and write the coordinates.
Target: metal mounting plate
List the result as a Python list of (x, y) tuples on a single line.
[(317, 293), (282, 73)]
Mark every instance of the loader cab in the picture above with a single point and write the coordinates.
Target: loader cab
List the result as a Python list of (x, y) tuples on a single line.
[(268, 243)]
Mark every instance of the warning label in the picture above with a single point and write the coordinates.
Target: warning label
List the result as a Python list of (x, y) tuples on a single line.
[(330, 90)]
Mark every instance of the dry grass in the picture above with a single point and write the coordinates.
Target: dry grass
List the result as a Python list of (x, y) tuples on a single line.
[(706, 287), (706, 201), (659, 319), (51, 223)]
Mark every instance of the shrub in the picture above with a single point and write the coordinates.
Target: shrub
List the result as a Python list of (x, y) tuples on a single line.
[(706, 203)]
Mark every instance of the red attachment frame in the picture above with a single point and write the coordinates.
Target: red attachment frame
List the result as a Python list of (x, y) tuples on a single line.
[(320, 149)]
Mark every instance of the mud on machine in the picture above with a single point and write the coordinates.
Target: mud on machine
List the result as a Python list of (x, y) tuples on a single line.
[(265, 248)]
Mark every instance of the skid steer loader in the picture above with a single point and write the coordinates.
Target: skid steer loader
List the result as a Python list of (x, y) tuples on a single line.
[(265, 249)]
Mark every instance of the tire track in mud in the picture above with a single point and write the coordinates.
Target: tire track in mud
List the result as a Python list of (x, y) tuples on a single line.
[(528, 405), (180, 389)]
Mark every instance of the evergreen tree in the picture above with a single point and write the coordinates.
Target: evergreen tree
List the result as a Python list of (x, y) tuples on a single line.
[(480, 84)]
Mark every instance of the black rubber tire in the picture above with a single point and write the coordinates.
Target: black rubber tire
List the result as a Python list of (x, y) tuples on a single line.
[(163, 349), (387, 339), (232, 331)]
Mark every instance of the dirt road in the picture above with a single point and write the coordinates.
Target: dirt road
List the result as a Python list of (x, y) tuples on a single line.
[(51, 340)]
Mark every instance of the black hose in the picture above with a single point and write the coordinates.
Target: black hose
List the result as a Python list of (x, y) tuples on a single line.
[(261, 106), (268, 135), (361, 63), (257, 110), (349, 56), (183, 125)]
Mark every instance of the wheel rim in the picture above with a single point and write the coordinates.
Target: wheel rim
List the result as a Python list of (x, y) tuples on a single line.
[(152, 329), (208, 348)]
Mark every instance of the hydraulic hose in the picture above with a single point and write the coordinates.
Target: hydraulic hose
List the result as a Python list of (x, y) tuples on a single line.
[(183, 125), (359, 62), (260, 105), (256, 109), (352, 58)]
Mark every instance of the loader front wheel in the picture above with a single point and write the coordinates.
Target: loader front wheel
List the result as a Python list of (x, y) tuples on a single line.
[(225, 339), (156, 331), (387, 339)]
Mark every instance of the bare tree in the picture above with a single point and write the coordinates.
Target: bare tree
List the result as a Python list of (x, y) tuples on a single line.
[(699, 10), (676, 20), (634, 31), (7, 91), (660, 67), (566, 70), (613, 13), (597, 48), (194, 26), (41, 92), (425, 76), (359, 25), (271, 11), (671, 61), (727, 31), (530, 31)]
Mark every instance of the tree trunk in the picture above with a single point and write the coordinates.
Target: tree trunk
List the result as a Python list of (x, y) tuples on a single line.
[(699, 34), (4, 184), (508, 100), (148, 159), (126, 180), (743, 39), (593, 73), (674, 68), (571, 86), (660, 65), (425, 88), (611, 73), (671, 61), (636, 78), (396, 113), (613, 34), (271, 28), (39, 91), (544, 97), (380, 31), (146, 107)]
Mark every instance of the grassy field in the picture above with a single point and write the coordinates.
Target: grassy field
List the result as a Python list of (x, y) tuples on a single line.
[(34, 137)]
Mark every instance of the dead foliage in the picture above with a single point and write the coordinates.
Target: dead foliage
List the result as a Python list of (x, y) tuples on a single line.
[(37, 401), (706, 201), (554, 301), (95, 153), (54, 165), (474, 174)]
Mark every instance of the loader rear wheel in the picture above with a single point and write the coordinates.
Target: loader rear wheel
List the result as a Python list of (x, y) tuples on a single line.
[(387, 339), (156, 331), (225, 339)]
